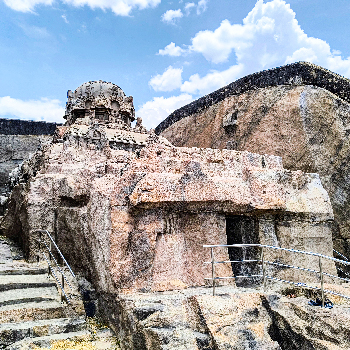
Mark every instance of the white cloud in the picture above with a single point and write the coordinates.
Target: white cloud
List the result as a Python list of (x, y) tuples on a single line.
[(216, 46), (155, 111), (26, 5), (171, 15), (119, 7), (65, 18), (201, 6), (188, 7), (171, 50), (212, 81), (170, 80), (270, 36), (44, 109)]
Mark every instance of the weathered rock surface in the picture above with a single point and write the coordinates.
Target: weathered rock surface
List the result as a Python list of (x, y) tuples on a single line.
[(132, 212), (26, 127), (139, 220), (298, 73), (307, 126), (233, 319)]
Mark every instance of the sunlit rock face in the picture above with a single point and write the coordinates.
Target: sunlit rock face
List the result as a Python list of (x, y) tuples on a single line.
[(132, 212), (300, 112)]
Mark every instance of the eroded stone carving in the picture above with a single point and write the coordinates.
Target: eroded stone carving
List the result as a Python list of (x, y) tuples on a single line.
[(101, 101)]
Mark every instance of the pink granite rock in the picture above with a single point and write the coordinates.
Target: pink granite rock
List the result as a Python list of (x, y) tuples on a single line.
[(132, 212)]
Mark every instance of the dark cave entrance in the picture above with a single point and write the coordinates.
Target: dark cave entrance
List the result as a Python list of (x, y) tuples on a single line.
[(243, 229)]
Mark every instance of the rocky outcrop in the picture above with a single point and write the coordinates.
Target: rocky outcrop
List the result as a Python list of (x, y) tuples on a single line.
[(307, 126), (136, 220), (196, 320), (299, 73), (132, 213)]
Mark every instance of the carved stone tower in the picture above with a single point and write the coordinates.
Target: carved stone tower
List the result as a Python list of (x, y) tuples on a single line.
[(100, 101)]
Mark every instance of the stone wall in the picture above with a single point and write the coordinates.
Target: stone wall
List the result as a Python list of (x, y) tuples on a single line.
[(26, 127), (14, 149), (19, 139), (300, 73)]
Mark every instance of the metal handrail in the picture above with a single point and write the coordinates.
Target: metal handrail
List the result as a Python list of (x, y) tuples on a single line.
[(343, 256), (59, 269), (320, 272), (57, 279), (278, 248), (52, 240), (51, 269), (342, 271)]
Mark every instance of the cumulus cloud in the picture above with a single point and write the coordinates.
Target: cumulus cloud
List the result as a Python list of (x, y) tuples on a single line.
[(44, 109), (188, 7), (119, 7), (270, 36), (201, 6), (171, 15), (156, 110), (170, 80), (212, 81), (216, 46), (26, 5), (171, 50)]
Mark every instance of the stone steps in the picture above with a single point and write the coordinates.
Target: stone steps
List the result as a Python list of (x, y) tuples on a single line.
[(32, 311), (46, 341), (31, 314), (36, 294), (22, 271), (24, 281), (11, 333)]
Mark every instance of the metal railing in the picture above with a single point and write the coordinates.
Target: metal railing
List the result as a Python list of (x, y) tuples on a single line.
[(344, 273), (50, 258), (265, 262)]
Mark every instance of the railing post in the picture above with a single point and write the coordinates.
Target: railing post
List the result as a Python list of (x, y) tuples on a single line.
[(263, 268), (213, 269), (321, 276), (38, 257), (62, 281), (50, 250)]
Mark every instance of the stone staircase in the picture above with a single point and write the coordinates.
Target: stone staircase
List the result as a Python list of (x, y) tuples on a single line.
[(32, 315)]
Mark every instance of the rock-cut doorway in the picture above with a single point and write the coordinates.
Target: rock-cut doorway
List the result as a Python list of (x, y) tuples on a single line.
[(243, 229)]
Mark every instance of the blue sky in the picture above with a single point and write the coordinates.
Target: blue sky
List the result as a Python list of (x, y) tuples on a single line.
[(164, 53)]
